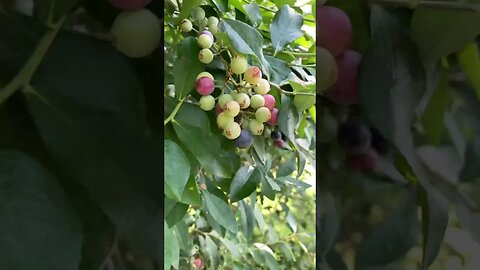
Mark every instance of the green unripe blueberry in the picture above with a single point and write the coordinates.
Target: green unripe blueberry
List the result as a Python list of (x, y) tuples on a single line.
[(263, 114), (224, 99), (186, 26), (232, 108), (232, 130), (204, 74), (257, 101), (255, 127), (212, 21), (213, 28), (205, 56), (239, 64), (198, 13), (136, 33), (262, 87), (223, 120), (207, 102), (205, 41), (243, 100), (234, 94)]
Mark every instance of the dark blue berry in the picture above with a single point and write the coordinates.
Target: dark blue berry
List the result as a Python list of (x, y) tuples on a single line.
[(276, 135), (244, 140), (354, 137)]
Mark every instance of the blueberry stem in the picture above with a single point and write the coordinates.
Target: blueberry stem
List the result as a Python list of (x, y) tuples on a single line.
[(174, 112), (291, 93), (26, 73)]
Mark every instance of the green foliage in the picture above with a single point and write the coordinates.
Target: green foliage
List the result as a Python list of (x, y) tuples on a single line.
[(253, 211)]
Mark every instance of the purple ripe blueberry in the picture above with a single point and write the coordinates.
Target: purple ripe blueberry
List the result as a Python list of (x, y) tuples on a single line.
[(334, 29), (284, 137), (245, 139), (345, 90), (205, 86), (354, 137)]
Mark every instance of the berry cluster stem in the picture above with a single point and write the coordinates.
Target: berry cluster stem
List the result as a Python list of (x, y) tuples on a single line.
[(291, 93), (26, 73), (174, 112)]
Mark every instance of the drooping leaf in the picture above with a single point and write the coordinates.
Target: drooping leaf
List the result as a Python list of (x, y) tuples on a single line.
[(247, 219), (212, 251), (39, 228), (435, 221)]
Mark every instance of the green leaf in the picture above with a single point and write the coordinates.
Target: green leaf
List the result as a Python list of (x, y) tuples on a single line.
[(247, 219), (435, 216), (259, 147), (328, 223), (286, 250), (259, 218), (39, 229), (453, 30), (279, 69), (176, 169), (393, 238), (205, 147), (286, 27), (168, 248), (433, 117), (288, 167), (191, 194), (176, 214), (175, 248), (469, 60), (187, 7), (50, 11), (253, 13), (221, 5), (247, 40), (232, 247), (391, 78), (244, 183), (212, 251), (187, 56), (292, 221), (271, 261), (76, 118), (220, 211)]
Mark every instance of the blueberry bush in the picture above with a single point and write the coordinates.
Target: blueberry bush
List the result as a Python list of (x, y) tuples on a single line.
[(239, 144), (398, 106)]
